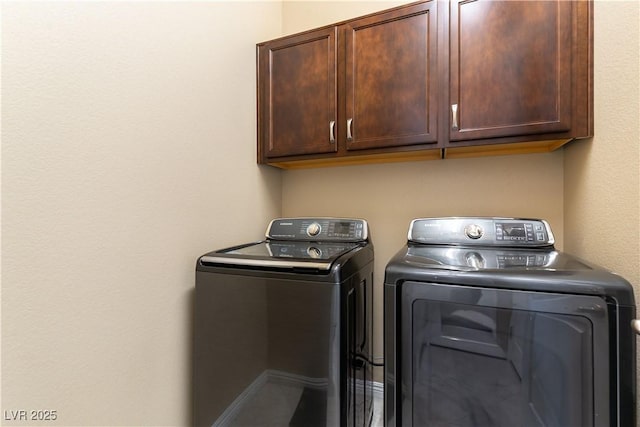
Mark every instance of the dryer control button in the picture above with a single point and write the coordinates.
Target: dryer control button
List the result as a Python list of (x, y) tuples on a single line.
[(473, 231), (314, 252), (313, 229)]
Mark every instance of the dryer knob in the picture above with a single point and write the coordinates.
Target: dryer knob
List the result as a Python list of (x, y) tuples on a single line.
[(314, 252), (473, 231), (313, 229), (474, 260)]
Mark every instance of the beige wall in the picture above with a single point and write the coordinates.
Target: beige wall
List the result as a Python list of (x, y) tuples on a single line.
[(602, 184), (302, 15), (128, 149)]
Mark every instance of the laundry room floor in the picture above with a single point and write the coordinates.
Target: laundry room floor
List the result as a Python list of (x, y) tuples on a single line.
[(377, 420), (378, 404)]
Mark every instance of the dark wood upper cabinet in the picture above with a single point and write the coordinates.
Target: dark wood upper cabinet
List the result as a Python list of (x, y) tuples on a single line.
[(390, 79), (520, 76), (511, 68), (297, 94), (428, 80)]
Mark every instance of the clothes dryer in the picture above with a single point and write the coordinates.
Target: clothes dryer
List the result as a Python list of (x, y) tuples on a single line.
[(487, 324)]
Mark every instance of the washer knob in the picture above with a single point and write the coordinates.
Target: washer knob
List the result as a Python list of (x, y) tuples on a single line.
[(473, 231), (313, 229)]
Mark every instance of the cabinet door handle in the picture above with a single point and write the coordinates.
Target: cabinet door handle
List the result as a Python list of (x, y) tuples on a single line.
[(349, 135), (454, 112), (332, 135)]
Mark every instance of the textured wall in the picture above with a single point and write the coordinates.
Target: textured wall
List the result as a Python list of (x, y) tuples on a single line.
[(602, 175), (128, 149), (302, 15)]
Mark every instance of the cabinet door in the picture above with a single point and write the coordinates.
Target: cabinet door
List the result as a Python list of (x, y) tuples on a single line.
[(297, 94), (390, 86), (510, 68)]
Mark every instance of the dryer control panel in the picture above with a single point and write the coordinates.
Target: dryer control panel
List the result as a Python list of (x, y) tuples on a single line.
[(319, 229), (478, 231)]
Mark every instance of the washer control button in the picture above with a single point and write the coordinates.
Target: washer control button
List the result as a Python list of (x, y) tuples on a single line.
[(314, 229), (473, 231)]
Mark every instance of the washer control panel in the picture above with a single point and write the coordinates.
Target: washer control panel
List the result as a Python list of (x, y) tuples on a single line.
[(319, 229), (511, 232)]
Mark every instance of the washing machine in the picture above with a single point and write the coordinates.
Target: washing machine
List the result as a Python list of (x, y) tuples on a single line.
[(282, 328), (487, 324)]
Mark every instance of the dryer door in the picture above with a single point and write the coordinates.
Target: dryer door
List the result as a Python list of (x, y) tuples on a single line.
[(495, 357)]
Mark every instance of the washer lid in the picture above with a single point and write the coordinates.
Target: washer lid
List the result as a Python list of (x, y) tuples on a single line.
[(281, 255), (477, 231)]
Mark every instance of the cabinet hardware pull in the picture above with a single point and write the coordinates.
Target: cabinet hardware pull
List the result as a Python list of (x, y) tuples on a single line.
[(349, 135), (635, 325), (332, 126), (454, 111)]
